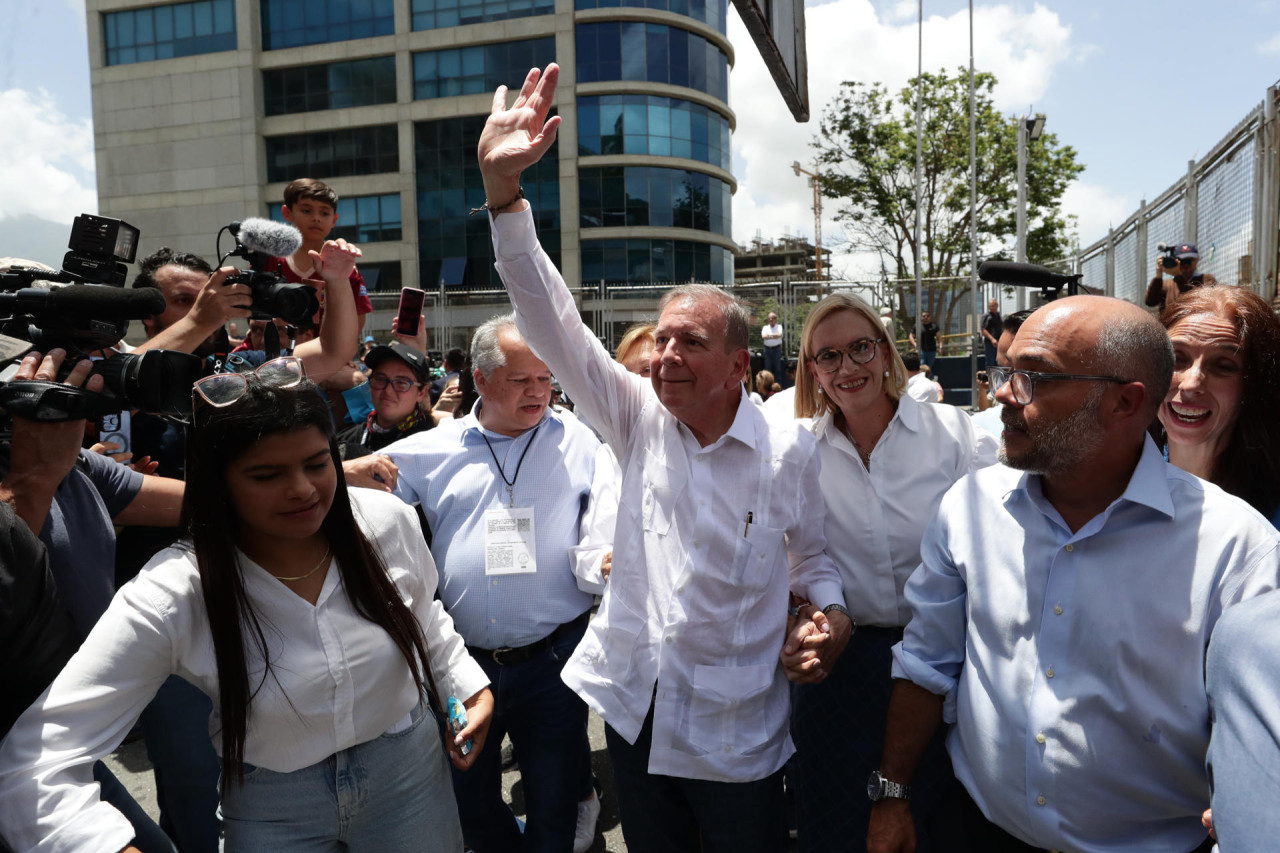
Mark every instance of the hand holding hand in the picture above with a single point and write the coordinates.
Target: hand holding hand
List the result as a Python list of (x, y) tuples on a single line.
[(479, 715), (335, 260)]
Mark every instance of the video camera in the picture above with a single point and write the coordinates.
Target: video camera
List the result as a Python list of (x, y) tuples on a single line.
[(91, 313), (257, 241), (1170, 259)]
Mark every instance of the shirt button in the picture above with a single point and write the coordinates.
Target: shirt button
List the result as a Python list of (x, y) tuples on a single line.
[(728, 749), (495, 583), (493, 621), (1040, 800), (1040, 737), (667, 639), (1057, 610), (1071, 547), (697, 543), (1049, 672)]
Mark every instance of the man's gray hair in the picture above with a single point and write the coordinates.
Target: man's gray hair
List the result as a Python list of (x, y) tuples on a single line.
[(486, 349), (1137, 348), (737, 316)]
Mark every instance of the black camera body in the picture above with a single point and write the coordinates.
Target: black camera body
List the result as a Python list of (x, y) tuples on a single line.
[(93, 313), (273, 296)]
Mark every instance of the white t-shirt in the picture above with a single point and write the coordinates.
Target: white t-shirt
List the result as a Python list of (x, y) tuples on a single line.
[(772, 335)]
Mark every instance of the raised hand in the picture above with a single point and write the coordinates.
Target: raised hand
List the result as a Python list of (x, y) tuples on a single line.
[(516, 138), (335, 260)]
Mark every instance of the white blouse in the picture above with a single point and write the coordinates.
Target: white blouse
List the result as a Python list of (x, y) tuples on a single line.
[(337, 680), (876, 517)]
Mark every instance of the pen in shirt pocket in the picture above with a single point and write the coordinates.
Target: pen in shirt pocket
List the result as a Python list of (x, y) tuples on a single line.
[(746, 527)]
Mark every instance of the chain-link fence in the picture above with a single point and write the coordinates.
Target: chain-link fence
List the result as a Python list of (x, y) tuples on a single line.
[(1228, 204)]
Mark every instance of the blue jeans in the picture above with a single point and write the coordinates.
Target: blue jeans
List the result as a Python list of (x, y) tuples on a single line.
[(668, 814), (148, 838), (547, 724), (176, 728), (773, 362), (389, 794), (928, 356)]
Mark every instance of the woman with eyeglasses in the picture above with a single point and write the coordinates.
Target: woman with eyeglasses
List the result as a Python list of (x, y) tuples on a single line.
[(1221, 417), (306, 613), (400, 387), (886, 461)]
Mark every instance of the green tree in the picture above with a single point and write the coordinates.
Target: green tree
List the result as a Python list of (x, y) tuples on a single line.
[(867, 159)]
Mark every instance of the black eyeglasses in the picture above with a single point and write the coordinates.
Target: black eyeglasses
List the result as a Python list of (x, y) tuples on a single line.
[(378, 381), (860, 352), (1022, 383)]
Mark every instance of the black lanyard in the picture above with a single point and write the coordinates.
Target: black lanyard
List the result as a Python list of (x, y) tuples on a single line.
[(511, 484)]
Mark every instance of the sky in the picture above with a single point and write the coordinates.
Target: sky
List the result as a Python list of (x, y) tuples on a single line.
[(1137, 87)]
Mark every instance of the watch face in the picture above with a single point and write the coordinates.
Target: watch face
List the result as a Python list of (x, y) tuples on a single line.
[(873, 786)]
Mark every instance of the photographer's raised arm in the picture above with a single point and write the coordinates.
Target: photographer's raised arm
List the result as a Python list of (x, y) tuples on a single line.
[(217, 304), (43, 454), (513, 140), (333, 348)]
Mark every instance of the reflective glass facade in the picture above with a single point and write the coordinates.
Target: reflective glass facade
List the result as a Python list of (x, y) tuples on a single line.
[(660, 262), (436, 14), (632, 50), (329, 87), (361, 219), (382, 277), (449, 186), (710, 12), (478, 69), (640, 195), (650, 124), (329, 154), (292, 23), (163, 32)]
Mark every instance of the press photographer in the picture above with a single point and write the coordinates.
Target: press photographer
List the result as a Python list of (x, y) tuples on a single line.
[(1179, 261)]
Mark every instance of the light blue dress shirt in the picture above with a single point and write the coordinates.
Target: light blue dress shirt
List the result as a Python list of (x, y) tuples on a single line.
[(450, 473), (1073, 663)]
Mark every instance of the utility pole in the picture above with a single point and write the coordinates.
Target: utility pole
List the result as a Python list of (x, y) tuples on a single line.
[(1029, 130), (817, 216)]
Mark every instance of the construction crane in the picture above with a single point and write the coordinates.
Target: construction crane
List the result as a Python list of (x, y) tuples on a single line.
[(817, 216)]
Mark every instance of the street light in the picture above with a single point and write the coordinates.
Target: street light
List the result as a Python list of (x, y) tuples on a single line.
[(1029, 130), (817, 216)]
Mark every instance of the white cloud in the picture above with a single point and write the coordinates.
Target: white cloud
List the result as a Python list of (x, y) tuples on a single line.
[(1270, 46), (848, 40), (1096, 209), (47, 162)]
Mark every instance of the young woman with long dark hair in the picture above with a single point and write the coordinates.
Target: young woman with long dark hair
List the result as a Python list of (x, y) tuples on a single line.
[(306, 612)]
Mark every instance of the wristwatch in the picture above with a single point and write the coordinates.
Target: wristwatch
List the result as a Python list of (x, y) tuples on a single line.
[(838, 607), (880, 788)]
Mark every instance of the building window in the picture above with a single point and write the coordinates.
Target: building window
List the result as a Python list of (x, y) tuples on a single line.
[(292, 23), (437, 14), (657, 262), (361, 219), (331, 154), (329, 87), (710, 12), (163, 32), (631, 50), (650, 124), (451, 244), (480, 68), (382, 277), (638, 195)]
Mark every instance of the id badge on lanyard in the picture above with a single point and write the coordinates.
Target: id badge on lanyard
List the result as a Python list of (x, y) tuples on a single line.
[(510, 546)]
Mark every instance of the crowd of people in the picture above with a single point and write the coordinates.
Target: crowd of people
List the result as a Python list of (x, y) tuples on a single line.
[(339, 585)]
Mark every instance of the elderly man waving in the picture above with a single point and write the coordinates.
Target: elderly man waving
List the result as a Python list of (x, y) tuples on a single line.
[(720, 519)]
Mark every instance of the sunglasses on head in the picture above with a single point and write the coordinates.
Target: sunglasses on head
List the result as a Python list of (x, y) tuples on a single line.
[(223, 389)]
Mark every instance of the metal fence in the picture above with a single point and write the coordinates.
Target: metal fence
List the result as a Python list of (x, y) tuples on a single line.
[(1228, 203)]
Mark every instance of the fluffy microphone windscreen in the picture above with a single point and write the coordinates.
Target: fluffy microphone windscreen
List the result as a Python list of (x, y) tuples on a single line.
[(270, 238)]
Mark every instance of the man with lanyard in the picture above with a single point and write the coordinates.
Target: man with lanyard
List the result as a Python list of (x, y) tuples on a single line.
[(721, 518), (508, 492)]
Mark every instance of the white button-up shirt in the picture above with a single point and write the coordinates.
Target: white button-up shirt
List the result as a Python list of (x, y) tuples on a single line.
[(876, 515), (696, 602), (1073, 663), (338, 681)]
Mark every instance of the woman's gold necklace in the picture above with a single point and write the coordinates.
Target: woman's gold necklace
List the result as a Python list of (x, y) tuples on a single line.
[(323, 562)]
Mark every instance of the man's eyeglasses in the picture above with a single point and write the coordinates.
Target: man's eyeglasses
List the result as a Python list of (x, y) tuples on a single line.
[(379, 381), (1022, 383), (223, 389), (860, 352)]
